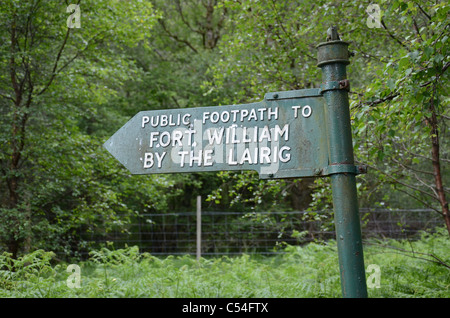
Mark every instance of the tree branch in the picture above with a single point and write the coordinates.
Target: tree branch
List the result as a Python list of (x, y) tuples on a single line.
[(411, 168), (183, 19), (393, 37), (55, 66), (416, 28), (415, 154), (375, 102), (7, 97), (396, 180), (444, 68), (76, 55), (175, 37), (423, 11), (420, 200)]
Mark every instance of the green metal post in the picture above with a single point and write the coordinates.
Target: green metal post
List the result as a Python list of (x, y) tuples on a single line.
[(333, 56)]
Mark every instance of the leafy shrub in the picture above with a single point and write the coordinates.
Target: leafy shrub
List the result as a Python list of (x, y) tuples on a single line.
[(31, 275)]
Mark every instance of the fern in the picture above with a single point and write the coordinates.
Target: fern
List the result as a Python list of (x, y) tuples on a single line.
[(408, 269)]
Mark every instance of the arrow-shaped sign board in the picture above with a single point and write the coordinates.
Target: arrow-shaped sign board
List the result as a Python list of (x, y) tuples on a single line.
[(282, 136)]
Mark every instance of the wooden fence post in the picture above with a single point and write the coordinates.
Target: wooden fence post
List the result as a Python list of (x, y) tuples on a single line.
[(199, 227)]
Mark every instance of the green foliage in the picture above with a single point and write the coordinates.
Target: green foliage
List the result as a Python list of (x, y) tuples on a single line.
[(33, 271), (64, 91), (245, 192), (418, 269), (408, 269), (55, 87), (124, 256), (402, 113), (398, 84)]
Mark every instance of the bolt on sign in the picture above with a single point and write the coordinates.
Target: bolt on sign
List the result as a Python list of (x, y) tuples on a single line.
[(280, 137)]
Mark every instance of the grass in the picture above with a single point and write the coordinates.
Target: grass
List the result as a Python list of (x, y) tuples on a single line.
[(416, 269)]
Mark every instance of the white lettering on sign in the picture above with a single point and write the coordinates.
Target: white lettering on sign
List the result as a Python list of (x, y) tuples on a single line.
[(166, 120), (149, 161), (240, 115), (216, 135), (238, 138), (305, 110)]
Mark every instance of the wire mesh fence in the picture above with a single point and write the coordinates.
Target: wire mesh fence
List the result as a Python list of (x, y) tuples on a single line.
[(228, 233)]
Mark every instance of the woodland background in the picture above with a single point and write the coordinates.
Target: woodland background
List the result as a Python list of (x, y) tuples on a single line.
[(64, 91)]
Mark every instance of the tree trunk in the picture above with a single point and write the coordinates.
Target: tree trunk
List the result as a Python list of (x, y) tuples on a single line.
[(302, 194), (433, 121), (17, 144)]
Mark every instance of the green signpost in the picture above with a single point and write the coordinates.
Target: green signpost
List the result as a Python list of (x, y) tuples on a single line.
[(289, 134), (283, 136), (333, 57)]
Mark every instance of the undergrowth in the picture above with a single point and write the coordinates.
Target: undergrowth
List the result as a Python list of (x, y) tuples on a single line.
[(407, 269)]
